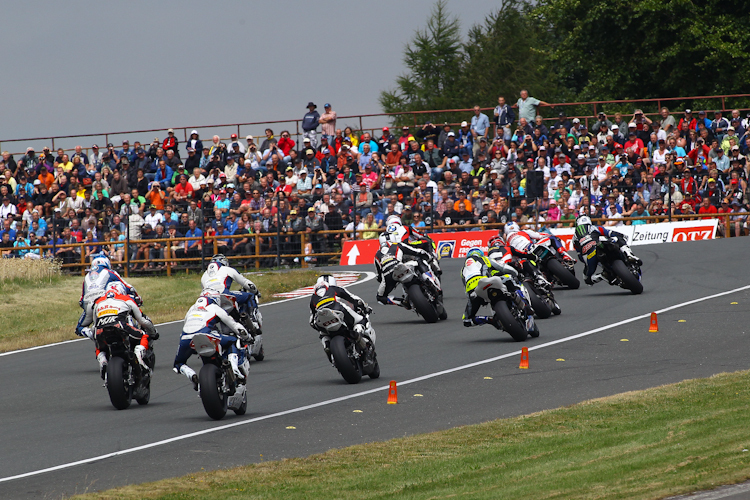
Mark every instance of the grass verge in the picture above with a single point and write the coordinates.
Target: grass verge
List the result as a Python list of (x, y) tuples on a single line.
[(42, 312), (647, 444)]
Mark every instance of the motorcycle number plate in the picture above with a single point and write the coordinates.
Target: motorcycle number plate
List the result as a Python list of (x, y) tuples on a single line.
[(329, 322)]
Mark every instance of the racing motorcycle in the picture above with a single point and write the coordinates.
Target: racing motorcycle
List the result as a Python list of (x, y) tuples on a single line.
[(126, 378), (509, 308), (553, 266), (218, 385), (251, 318), (618, 269), (423, 291), (540, 294), (350, 358)]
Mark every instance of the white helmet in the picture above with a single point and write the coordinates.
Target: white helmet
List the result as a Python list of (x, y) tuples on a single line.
[(325, 281), (101, 260), (510, 228), (117, 287), (393, 219)]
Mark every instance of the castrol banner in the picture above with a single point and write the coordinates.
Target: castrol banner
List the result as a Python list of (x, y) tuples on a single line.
[(455, 245)]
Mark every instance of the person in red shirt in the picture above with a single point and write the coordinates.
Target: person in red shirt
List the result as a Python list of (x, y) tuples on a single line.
[(183, 191), (170, 143), (707, 208), (286, 143), (633, 145), (688, 118), (688, 184)]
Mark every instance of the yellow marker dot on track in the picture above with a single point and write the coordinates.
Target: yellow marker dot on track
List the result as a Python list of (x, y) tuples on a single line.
[(624, 340), (291, 427), (735, 303), (357, 411), (682, 321), (488, 378), (417, 395), (559, 359)]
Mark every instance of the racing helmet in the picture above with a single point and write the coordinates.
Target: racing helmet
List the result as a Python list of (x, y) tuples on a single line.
[(116, 287), (583, 226), (510, 228), (475, 252), (393, 219), (325, 281), (495, 243), (220, 259), (101, 261)]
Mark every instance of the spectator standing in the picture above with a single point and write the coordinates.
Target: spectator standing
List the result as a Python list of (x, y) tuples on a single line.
[(527, 106), (480, 127), (310, 123), (170, 143), (504, 118), (328, 123)]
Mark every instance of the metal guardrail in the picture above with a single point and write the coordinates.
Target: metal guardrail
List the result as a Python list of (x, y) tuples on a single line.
[(274, 254), (237, 128)]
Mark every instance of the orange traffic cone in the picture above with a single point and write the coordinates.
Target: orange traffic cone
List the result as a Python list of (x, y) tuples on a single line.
[(392, 393), (524, 358), (654, 323)]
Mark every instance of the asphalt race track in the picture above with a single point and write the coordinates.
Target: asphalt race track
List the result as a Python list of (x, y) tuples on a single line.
[(55, 411)]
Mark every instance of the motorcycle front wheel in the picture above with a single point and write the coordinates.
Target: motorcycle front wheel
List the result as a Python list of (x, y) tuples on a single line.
[(348, 368), (509, 322), (120, 392), (541, 309), (628, 280), (214, 400)]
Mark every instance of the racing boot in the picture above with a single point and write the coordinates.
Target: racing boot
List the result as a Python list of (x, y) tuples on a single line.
[(630, 255), (566, 258), (191, 375), (234, 360), (102, 359), (326, 341), (400, 302), (140, 354)]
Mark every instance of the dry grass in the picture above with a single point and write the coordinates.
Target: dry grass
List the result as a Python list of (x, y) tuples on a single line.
[(43, 312), (32, 271)]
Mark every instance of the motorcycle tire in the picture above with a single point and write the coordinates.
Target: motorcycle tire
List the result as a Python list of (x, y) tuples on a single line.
[(422, 305), (555, 307), (541, 309), (146, 394), (561, 273), (260, 356), (509, 322), (375, 372), (629, 281), (214, 401), (442, 314), (120, 393), (243, 407), (349, 369)]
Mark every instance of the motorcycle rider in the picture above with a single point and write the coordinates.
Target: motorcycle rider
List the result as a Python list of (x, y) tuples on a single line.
[(219, 277), (207, 316), (500, 252), (477, 266), (356, 312), (100, 277), (115, 302), (586, 240), (387, 257), (396, 232), (520, 242)]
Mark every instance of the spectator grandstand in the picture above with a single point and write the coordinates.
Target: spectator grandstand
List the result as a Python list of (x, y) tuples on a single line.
[(296, 196)]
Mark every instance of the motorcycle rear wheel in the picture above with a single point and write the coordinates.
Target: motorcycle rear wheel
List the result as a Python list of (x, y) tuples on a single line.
[(120, 393), (422, 305), (566, 277), (629, 281), (541, 309), (443, 314), (146, 397), (214, 401), (509, 322), (350, 369)]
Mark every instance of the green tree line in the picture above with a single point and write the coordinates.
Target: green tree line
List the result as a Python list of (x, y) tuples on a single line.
[(577, 50)]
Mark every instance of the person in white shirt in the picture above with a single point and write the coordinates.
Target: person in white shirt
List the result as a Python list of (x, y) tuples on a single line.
[(601, 171), (7, 208), (197, 179), (153, 218)]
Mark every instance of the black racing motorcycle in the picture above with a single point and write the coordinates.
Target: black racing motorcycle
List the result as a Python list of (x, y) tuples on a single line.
[(347, 354), (219, 388), (553, 266), (126, 378), (422, 289), (617, 268)]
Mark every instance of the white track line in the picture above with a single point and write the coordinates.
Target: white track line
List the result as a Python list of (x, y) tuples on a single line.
[(368, 276), (358, 394)]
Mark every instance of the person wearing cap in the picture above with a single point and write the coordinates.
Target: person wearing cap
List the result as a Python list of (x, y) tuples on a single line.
[(170, 143), (688, 119), (310, 122), (194, 142), (451, 147)]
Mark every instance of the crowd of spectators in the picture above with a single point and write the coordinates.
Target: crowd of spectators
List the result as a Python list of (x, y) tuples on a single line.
[(434, 175)]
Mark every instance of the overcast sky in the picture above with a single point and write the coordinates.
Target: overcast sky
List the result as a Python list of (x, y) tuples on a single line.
[(79, 66)]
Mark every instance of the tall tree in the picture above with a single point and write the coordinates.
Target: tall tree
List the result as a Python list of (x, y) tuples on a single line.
[(501, 58), (623, 49), (433, 60)]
